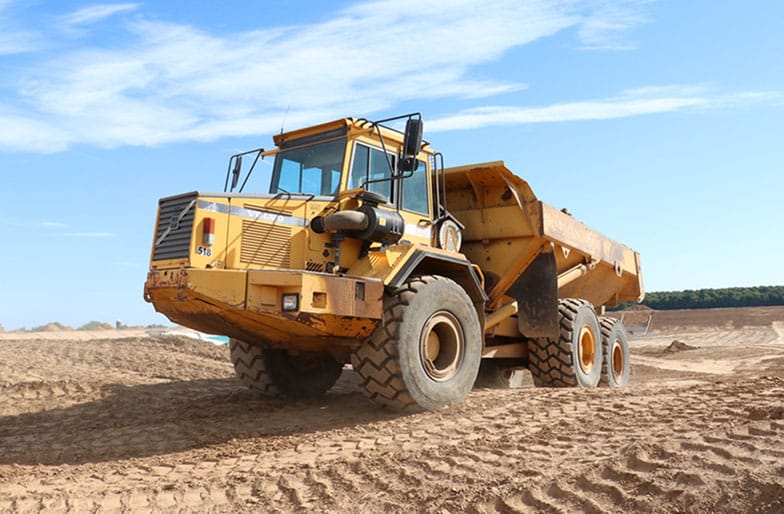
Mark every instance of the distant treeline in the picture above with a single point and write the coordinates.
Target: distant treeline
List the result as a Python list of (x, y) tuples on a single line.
[(759, 296)]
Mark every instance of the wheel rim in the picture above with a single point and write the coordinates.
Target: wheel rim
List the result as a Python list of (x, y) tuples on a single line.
[(618, 364), (586, 349), (441, 346)]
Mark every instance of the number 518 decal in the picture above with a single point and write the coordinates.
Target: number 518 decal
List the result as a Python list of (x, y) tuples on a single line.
[(203, 250)]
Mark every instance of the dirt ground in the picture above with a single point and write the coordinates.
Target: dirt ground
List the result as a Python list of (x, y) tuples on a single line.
[(160, 424)]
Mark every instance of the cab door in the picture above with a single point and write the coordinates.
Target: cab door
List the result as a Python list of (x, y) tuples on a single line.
[(371, 168)]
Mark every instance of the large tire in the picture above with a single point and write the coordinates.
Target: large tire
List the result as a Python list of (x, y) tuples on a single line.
[(251, 367), (271, 372), (575, 359), (425, 352), (495, 376), (302, 375), (616, 365)]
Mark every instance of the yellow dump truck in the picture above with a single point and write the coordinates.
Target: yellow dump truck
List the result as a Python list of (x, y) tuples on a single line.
[(358, 246)]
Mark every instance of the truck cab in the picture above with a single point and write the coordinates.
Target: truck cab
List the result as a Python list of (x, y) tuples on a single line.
[(333, 201)]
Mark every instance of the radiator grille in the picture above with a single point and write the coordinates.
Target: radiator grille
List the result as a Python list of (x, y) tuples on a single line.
[(175, 224), (265, 244)]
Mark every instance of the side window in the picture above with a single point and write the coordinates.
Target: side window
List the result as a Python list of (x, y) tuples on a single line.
[(415, 191), (371, 164), (359, 167)]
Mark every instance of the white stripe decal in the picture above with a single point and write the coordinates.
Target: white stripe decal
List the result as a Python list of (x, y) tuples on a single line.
[(253, 214), (213, 207), (417, 230), (269, 217)]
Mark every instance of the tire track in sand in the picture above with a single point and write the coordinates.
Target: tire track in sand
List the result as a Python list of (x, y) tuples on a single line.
[(439, 456), (501, 451)]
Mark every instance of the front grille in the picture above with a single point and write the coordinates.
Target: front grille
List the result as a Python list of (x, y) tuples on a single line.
[(265, 244), (175, 224)]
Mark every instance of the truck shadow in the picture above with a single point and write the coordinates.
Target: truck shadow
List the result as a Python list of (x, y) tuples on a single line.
[(156, 419)]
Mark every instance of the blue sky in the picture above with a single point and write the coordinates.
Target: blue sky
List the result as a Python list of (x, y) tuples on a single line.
[(657, 122)]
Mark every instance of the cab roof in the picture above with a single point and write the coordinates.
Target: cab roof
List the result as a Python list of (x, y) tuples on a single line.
[(339, 127)]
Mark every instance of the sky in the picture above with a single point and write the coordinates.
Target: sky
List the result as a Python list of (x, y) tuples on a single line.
[(659, 123)]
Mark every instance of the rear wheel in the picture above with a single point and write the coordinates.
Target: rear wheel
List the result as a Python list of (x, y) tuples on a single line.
[(271, 372), (425, 352), (616, 365), (575, 359)]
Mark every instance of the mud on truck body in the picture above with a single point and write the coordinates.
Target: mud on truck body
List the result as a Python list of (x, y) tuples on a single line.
[(361, 248)]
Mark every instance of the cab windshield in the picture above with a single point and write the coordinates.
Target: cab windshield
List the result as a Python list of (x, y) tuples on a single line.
[(312, 170)]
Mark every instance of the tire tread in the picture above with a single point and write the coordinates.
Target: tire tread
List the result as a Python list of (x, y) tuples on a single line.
[(251, 367), (550, 362)]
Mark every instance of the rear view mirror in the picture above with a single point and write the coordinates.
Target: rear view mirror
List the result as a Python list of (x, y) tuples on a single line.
[(235, 173), (412, 142)]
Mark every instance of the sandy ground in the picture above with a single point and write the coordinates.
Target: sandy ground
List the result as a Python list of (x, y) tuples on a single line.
[(73, 335), (160, 424)]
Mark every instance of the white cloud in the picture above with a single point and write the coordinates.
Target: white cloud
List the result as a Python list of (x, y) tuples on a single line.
[(14, 40), (32, 224), (28, 134), (616, 107), (636, 102), (96, 13), (50, 224), (88, 234), (608, 25), (172, 82)]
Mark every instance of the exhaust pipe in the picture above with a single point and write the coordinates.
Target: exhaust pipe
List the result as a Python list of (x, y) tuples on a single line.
[(343, 220)]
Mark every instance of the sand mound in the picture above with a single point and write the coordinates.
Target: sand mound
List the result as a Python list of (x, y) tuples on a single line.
[(678, 346)]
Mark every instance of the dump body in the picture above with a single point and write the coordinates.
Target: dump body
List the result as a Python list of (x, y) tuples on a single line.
[(507, 227)]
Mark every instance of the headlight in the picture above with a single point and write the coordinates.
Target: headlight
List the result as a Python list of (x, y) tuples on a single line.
[(290, 302)]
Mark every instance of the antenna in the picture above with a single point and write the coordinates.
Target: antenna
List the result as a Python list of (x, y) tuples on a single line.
[(283, 123)]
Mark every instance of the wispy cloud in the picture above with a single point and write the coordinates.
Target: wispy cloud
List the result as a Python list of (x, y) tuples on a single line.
[(166, 82), (609, 25), (622, 106), (50, 224), (14, 40), (637, 102), (174, 82), (10, 222), (96, 13), (88, 234)]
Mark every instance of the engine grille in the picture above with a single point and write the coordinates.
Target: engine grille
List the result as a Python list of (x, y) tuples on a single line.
[(265, 244), (175, 225)]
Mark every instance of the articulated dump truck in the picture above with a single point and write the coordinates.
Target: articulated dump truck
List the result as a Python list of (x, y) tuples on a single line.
[(358, 247)]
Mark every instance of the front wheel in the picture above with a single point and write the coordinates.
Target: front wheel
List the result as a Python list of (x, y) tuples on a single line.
[(251, 367), (270, 372), (304, 374), (425, 351)]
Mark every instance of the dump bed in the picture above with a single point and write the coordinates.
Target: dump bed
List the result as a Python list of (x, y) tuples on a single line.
[(507, 227)]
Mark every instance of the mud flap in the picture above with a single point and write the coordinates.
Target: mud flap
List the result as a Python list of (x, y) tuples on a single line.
[(536, 292)]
